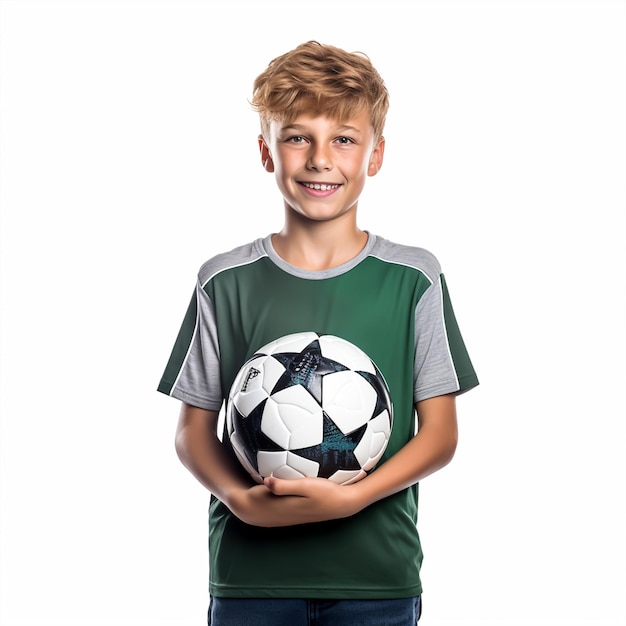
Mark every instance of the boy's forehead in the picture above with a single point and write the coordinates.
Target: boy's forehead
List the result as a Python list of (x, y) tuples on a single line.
[(360, 122)]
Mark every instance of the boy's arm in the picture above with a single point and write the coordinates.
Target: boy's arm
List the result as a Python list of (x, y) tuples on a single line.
[(428, 451), (290, 502), (202, 453), (431, 449)]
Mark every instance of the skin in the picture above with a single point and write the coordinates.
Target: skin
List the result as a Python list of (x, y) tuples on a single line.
[(320, 231)]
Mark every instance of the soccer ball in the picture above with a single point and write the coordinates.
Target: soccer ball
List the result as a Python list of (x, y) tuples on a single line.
[(309, 405)]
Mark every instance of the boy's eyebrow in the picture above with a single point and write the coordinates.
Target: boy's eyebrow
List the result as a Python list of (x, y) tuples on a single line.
[(338, 129)]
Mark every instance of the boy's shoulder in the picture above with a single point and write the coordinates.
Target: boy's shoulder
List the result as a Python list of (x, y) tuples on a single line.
[(236, 257), (411, 256)]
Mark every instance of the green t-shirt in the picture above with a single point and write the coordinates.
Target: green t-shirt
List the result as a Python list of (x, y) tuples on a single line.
[(392, 302)]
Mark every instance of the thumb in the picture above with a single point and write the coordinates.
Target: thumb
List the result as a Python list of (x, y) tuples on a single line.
[(284, 487)]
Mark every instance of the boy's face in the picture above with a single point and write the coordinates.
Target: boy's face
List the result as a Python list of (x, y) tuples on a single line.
[(321, 164)]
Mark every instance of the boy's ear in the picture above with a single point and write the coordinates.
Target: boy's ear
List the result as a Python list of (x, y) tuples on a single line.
[(376, 158), (266, 157)]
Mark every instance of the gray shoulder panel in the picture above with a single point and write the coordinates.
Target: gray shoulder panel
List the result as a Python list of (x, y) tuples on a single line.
[(411, 256), (242, 255)]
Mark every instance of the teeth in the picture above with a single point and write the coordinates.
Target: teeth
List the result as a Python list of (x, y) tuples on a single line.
[(319, 187)]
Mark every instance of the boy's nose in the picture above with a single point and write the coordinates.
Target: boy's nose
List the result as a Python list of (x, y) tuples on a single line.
[(319, 159)]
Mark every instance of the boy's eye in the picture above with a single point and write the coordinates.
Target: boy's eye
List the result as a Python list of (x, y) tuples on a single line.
[(344, 141), (296, 139)]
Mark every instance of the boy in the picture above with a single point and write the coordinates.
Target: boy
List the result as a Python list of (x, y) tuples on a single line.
[(310, 551)]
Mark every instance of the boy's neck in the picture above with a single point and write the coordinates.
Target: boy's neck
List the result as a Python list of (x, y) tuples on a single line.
[(319, 246)]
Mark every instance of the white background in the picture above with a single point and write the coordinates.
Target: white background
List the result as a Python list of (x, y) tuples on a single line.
[(129, 157)]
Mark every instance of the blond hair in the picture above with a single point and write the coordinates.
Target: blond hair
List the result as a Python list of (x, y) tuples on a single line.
[(320, 79)]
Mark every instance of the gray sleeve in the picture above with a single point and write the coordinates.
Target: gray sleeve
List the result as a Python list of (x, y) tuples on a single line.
[(434, 368), (198, 380)]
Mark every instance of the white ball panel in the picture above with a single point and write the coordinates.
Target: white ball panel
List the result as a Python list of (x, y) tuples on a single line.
[(347, 477), (246, 401), (255, 382), (269, 462), (272, 371), (289, 343), (305, 429), (273, 426), (362, 450), (285, 465), (346, 353), (288, 473), (348, 399), (382, 423), (378, 442), (252, 382), (293, 419), (371, 448), (377, 448)]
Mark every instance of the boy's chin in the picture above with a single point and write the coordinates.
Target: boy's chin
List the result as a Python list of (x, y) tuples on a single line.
[(319, 213)]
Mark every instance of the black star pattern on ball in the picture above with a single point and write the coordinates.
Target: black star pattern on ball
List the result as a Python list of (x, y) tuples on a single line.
[(336, 450), (306, 368), (383, 400)]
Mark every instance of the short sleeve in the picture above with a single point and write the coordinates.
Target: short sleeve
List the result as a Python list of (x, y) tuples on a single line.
[(192, 372), (442, 363)]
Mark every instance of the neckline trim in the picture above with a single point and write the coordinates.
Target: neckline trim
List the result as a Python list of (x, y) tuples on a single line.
[(266, 243)]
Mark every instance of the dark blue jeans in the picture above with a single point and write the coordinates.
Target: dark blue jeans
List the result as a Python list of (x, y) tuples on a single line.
[(288, 612)]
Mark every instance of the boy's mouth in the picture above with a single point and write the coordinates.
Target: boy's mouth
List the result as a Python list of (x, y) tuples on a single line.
[(320, 186)]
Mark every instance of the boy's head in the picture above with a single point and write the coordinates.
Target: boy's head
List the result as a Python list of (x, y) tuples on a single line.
[(319, 79)]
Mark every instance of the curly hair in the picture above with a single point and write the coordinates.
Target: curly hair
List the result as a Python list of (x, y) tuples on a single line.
[(320, 79)]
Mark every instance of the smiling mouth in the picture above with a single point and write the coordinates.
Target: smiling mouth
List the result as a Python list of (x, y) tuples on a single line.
[(320, 186)]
